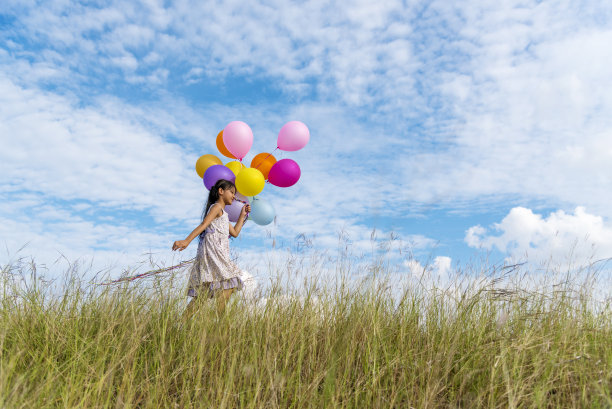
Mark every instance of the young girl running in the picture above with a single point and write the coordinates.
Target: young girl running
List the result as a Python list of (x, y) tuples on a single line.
[(213, 274)]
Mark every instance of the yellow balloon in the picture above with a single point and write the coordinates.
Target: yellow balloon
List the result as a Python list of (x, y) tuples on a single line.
[(250, 182), (206, 161), (235, 166)]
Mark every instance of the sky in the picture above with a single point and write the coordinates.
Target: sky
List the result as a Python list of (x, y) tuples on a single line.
[(452, 129)]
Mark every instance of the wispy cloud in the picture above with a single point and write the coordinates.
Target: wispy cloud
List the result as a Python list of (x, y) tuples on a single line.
[(528, 104), (357, 53), (99, 155)]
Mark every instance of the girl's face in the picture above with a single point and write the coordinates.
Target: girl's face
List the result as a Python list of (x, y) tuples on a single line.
[(228, 195)]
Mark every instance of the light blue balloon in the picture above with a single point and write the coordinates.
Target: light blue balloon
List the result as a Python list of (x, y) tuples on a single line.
[(262, 212)]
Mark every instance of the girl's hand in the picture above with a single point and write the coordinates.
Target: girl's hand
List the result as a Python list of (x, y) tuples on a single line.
[(245, 209), (180, 245)]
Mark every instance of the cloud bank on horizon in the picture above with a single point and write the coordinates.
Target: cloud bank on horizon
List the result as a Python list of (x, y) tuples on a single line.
[(491, 118)]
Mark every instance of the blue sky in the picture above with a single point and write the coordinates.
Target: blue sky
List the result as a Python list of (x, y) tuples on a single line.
[(463, 128)]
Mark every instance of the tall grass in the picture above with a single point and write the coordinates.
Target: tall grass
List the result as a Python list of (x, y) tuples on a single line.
[(343, 346)]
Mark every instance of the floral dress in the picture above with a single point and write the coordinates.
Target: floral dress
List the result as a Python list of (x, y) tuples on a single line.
[(213, 270)]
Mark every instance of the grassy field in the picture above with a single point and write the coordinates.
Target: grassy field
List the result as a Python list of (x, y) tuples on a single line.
[(344, 346)]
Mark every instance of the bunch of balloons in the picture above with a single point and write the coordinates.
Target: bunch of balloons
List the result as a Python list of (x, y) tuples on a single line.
[(234, 142)]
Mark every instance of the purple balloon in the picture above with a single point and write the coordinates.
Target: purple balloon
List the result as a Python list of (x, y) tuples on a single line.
[(284, 173), (216, 172), (233, 211)]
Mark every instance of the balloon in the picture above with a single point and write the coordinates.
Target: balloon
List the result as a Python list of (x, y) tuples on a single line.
[(293, 136), (235, 166), (206, 161), (262, 212), (284, 173), (263, 162), (216, 172), (238, 138), (250, 182), (233, 210), (222, 147)]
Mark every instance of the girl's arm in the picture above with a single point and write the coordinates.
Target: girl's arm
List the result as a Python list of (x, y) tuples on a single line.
[(181, 245), (235, 230)]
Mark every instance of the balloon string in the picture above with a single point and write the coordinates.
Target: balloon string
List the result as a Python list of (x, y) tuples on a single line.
[(149, 273), (243, 202), (264, 159)]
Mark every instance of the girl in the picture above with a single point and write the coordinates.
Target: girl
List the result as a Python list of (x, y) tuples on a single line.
[(213, 274)]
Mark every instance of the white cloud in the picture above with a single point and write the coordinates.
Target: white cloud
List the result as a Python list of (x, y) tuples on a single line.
[(560, 240), (526, 91), (355, 52), (55, 239), (65, 151), (435, 273), (69, 171)]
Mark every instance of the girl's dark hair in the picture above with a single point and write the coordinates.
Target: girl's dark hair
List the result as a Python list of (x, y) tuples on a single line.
[(213, 196)]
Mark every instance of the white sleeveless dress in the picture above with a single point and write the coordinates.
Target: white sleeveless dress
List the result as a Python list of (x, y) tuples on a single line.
[(213, 270)]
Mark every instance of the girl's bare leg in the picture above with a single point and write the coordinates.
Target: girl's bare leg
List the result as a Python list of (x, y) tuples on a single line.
[(191, 308), (222, 299)]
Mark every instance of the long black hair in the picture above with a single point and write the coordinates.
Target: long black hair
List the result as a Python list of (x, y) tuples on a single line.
[(213, 196)]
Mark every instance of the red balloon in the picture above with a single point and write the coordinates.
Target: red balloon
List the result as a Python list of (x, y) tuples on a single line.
[(284, 173)]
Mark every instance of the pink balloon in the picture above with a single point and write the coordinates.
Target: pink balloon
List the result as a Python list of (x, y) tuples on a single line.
[(293, 136), (238, 138), (284, 173)]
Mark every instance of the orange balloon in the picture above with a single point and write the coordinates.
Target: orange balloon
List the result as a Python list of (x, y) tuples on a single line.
[(263, 162), (221, 146)]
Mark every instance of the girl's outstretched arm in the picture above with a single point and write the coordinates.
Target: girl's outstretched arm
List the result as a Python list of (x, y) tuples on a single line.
[(235, 230), (214, 212)]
